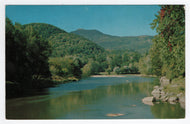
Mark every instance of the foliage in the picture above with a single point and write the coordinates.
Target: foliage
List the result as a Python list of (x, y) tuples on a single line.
[(92, 67), (65, 66), (108, 70), (116, 70), (145, 66), (38, 51), (170, 42), (45, 30), (123, 62), (26, 55), (64, 44), (70, 44), (15, 53)]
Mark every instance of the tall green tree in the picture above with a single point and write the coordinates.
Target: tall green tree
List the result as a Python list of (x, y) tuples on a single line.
[(16, 62), (26, 54), (39, 51), (170, 41)]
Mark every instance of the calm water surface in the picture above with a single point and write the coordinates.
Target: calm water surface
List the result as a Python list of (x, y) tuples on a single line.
[(94, 98)]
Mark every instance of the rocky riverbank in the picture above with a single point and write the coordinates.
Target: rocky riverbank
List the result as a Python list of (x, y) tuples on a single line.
[(168, 91)]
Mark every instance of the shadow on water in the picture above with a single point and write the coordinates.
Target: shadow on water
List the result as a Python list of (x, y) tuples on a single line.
[(92, 103), (168, 111)]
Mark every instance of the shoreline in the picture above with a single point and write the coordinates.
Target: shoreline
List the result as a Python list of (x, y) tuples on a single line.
[(167, 92), (122, 75)]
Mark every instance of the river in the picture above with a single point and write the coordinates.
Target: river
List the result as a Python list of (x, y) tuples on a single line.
[(94, 98)]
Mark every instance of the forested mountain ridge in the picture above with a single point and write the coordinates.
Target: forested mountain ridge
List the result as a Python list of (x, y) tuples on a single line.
[(136, 43), (45, 30), (64, 43)]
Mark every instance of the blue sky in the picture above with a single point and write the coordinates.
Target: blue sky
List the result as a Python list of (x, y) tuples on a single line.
[(118, 20)]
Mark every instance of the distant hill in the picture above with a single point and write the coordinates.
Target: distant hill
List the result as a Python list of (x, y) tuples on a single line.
[(137, 43), (64, 43)]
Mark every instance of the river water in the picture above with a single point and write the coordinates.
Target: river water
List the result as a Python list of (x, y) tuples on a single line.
[(94, 98)]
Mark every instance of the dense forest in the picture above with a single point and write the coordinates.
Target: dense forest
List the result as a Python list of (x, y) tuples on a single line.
[(40, 55)]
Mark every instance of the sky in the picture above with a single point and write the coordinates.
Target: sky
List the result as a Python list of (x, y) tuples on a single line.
[(118, 20)]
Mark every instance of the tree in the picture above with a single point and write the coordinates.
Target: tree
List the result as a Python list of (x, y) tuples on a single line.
[(145, 65), (26, 54), (155, 59), (170, 41), (39, 51), (16, 52)]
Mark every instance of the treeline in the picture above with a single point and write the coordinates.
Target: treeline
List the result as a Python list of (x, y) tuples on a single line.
[(122, 61), (167, 54), (74, 67)]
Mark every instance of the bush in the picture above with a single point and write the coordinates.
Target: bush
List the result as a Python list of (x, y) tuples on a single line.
[(116, 70)]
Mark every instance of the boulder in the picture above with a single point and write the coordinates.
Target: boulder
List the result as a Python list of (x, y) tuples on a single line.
[(179, 95), (160, 88), (162, 93), (164, 81), (172, 99), (148, 100), (156, 93), (156, 87), (164, 98)]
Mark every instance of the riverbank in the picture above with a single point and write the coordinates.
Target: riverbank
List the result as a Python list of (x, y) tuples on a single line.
[(15, 89), (169, 91), (112, 74), (108, 76)]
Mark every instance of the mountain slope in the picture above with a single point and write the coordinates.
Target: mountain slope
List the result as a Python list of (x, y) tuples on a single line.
[(137, 43), (45, 30), (64, 43)]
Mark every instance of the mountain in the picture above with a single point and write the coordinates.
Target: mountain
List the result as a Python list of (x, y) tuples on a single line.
[(64, 43), (137, 43), (45, 30)]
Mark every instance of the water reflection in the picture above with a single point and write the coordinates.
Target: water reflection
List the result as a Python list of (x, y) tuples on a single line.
[(166, 111), (90, 103)]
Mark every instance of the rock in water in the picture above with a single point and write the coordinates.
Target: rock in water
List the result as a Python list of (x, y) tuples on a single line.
[(114, 115), (148, 100), (172, 99)]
